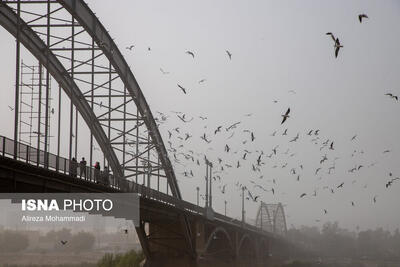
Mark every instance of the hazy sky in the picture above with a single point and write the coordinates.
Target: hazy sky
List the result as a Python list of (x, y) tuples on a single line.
[(276, 46)]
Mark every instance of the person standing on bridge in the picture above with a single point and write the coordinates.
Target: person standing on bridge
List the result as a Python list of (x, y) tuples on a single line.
[(82, 167), (106, 175), (96, 172), (73, 166)]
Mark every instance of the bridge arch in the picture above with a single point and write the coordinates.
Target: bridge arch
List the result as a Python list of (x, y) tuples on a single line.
[(280, 221), (271, 218), (110, 136), (246, 247), (263, 218), (220, 234)]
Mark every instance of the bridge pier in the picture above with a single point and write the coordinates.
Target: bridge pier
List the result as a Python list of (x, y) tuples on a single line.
[(214, 245)]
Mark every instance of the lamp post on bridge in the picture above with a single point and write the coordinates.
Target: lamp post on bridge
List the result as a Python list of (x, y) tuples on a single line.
[(208, 209), (261, 216), (243, 212), (210, 184), (206, 185), (225, 206), (198, 189)]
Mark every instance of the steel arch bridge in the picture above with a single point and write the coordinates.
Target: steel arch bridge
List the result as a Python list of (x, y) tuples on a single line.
[(69, 41), (271, 218), (75, 50)]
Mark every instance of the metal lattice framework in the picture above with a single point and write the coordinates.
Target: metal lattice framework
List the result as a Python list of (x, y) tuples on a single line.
[(69, 41), (271, 218)]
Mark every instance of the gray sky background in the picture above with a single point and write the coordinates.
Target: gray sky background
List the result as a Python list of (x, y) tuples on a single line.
[(276, 46)]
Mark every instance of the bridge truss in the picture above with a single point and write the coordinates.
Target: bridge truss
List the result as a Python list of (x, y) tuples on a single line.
[(76, 51), (271, 218)]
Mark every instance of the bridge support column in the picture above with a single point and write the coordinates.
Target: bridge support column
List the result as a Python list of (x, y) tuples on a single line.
[(200, 237), (166, 244)]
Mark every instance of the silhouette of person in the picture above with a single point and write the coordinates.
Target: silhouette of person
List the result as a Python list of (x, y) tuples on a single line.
[(82, 167), (73, 166), (96, 172), (106, 174)]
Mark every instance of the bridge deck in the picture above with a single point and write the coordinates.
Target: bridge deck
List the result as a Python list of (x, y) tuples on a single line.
[(55, 172)]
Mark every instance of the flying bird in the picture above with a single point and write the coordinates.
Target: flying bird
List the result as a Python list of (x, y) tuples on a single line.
[(190, 53), (285, 116), (64, 242), (229, 54), (337, 47), (182, 88), (233, 126), (295, 138), (227, 148), (361, 16), (164, 72), (392, 96), (303, 195)]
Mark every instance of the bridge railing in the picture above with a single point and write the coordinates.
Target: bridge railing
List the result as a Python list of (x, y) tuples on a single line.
[(39, 158), (50, 161)]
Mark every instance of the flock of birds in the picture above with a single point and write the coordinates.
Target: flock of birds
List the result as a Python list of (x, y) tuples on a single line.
[(243, 156), (230, 157), (238, 153)]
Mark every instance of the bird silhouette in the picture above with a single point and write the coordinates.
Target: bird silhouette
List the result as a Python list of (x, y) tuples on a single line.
[(190, 53), (164, 72), (285, 116), (361, 16), (229, 54), (392, 96), (182, 88), (337, 47)]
